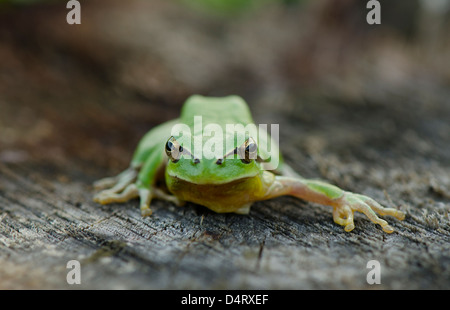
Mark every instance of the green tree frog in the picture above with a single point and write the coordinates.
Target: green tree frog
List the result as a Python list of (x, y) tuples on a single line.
[(166, 166)]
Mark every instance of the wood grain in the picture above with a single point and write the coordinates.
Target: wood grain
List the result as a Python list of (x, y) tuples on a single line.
[(75, 110)]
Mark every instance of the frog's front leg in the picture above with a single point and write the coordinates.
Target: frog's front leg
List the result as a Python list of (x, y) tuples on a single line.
[(119, 188), (119, 182), (343, 203), (136, 182)]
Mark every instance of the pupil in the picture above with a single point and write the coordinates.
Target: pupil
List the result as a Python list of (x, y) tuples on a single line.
[(250, 148), (169, 146)]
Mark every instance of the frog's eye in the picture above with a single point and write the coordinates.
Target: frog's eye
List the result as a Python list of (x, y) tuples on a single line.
[(173, 149), (248, 151)]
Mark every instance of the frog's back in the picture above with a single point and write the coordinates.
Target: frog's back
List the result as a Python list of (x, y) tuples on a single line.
[(217, 110)]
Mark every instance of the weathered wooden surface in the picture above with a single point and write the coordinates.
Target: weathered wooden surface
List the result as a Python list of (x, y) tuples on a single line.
[(75, 101)]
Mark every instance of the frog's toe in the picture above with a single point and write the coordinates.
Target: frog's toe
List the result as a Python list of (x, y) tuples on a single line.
[(388, 229), (105, 183), (119, 182), (349, 227), (104, 197), (344, 217), (370, 208), (160, 194), (382, 210), (109, 196), (145, 196), (145, 211)]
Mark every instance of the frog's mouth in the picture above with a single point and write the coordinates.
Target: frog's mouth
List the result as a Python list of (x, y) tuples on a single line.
[(213, 181)]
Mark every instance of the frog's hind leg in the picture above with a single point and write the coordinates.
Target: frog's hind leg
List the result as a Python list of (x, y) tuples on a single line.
[(344, 203)]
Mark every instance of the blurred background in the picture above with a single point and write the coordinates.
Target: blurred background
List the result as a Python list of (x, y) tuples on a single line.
[(366, 107), (314, 65)]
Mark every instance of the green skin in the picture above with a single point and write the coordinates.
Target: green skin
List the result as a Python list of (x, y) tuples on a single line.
[(231, 185)]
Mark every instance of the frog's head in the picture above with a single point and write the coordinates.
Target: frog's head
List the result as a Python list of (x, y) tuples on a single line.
[(238, 163)]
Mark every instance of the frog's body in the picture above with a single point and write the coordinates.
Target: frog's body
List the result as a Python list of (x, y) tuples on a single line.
[(230, 183)]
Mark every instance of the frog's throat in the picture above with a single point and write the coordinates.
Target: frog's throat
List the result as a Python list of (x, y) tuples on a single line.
[(221, 198)]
